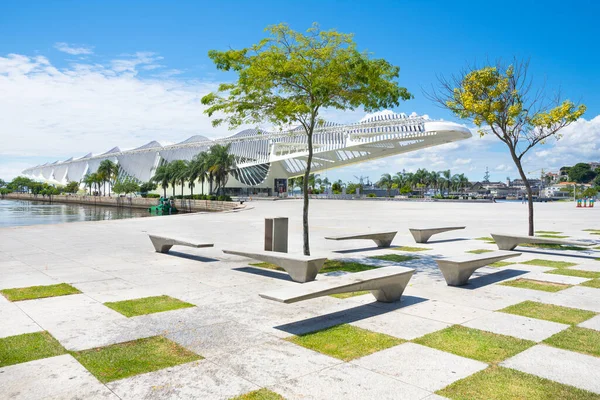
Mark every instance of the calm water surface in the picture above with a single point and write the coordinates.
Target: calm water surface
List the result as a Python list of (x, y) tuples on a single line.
[(21, 212)]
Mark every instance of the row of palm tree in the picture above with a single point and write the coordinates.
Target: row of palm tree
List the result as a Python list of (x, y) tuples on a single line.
[(212, 166), (107, 172), (423, 180)]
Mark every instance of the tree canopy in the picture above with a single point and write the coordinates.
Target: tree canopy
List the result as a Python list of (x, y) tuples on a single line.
[(581, 173), (290, 77)]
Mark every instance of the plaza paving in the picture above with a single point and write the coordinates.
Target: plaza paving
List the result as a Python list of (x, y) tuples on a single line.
[(242, 337)]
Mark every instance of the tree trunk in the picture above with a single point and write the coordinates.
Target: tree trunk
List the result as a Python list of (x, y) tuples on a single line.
[(527, 188), (305, 189), (164, 192)]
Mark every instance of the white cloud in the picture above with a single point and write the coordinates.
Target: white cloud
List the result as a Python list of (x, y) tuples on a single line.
[(73, 50), (462, 161)]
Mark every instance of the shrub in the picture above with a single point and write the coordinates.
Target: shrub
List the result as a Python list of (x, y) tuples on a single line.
[(151, 195), (371, 195)]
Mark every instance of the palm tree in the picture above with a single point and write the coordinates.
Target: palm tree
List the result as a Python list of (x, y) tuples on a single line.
[(107, 170), (162, 177), (447, 179), (326, 183), (176, 171), (221, 162), (88, 180), (385, 182)]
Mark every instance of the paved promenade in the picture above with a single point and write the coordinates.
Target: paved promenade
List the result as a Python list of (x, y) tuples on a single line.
[(244, 339)]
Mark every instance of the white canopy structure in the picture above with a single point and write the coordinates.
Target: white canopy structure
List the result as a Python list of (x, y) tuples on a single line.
[(266, 159)]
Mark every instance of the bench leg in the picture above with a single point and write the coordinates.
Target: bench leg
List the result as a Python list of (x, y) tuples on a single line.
[(385, 241), (455, 276), (506, 244), (392, 291), (160, 246), (421, 237)]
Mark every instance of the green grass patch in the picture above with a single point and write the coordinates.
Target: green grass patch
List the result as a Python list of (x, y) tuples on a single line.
[(594, 283), (578, 339), (549, 312), (350, 294), (498, 383), (123, 360), (474, 343), (536, 285), (28, 347), (486, 239), (147, 305), (345, 342), (549, 232), (410, 248), (549, 263), (394, 257), (575, 272), (592, 230), (550, 246), (553, 236), (261, 394), (479, 251), (499, 264), (330, 266), (39, 292)]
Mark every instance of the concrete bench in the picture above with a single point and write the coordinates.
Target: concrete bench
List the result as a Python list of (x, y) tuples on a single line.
[(387, 285), (422, 235), (162, 244), (381, 239), (509, 242), (300, 268), (458, 270)]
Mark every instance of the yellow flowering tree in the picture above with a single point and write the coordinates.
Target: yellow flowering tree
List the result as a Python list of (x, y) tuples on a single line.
[(499, 100)]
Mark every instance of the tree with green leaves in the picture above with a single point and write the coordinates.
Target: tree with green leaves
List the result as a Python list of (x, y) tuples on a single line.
[(176, 173), (581, 173), (162, 177), (108, 171), (221, 162), (72, 187), (126, 186), (290, 77), (499, 100), (385, 182)]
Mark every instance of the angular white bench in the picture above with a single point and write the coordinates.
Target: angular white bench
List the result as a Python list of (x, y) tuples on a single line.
[(381, 239), (299, 267), (509, 242), (458, 270), (387, 285), (162, 244), (422, 235)]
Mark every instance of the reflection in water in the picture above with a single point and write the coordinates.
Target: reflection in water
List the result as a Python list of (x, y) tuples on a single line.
[(21, 212)]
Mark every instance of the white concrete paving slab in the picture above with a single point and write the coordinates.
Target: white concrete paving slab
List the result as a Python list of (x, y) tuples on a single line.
[(588, 267), (592, 323), (167, 322), (559, 365), (350, 382), (15, 322), (274, 362), (444, 312), (516, 326), (404, 326), (60, 377), (196, 380), (226, 337), (421, 366)]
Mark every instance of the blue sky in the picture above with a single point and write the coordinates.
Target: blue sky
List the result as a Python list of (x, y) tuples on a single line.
[(85, 76)]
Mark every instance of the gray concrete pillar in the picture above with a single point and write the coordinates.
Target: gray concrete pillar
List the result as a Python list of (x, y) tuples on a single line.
[(276, 234)]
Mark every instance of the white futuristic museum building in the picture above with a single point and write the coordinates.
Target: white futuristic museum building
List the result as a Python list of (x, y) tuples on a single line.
[(265, 160)]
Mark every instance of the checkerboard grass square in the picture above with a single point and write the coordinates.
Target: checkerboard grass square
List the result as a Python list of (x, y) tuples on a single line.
[(479, 251), (28, 347), (345, 342), (550, 312), (261, 394), (575, 272), (536, 285), (594, 283), (410, 248), (330, 266), (549, 263), (500, 264), (474, 343), (147, 305), (394, 257), (39, 292), (498, 383), (127, 359), (578, 339)]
